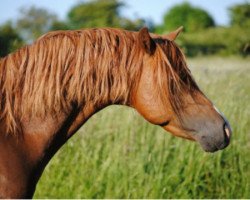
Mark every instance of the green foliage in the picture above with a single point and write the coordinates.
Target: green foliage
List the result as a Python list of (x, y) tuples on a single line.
[(100, 13), (59, 25), (94, 14), (200, 37), (222, 41), (117, 154), (192, 18), (34, 22), (9, 39), (240, 15)]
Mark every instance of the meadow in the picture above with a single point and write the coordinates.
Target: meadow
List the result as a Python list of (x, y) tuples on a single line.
[(117, 154)]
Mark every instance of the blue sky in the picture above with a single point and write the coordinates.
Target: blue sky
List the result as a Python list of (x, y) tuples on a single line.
[(149, 9)]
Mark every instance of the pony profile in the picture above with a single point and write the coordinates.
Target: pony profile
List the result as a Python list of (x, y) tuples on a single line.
[(50, 88)]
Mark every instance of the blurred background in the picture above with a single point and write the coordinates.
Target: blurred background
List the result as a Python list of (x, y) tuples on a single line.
[(214, 27), (117, 154)]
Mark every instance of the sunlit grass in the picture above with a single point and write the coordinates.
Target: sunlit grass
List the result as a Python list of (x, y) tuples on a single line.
[(117, 154)]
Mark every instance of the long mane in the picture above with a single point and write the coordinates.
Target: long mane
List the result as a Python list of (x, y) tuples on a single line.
[(97, 65), (66, 67)]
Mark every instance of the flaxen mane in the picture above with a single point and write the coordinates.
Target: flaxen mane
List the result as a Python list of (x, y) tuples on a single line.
[(95, 65)]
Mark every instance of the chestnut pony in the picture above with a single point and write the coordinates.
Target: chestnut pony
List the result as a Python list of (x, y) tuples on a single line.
[(51, 88)]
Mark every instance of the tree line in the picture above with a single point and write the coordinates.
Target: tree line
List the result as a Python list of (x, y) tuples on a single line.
[(201, 35)]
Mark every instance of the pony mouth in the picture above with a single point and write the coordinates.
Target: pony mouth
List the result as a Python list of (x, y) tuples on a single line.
[(211, 146)]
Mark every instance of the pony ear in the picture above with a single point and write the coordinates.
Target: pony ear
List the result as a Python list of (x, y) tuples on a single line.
[(173, 35), (146, 42)]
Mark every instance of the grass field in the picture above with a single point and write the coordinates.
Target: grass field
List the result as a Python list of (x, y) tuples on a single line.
[(117, 154)]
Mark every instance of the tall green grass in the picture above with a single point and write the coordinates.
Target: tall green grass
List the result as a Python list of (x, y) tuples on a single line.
[(117, 154)]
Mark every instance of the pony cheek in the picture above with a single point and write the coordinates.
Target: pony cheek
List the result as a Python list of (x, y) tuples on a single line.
[(151, 116), (152, 113)]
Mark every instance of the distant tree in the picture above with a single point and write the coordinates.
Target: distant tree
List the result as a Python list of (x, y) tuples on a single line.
[(33, 22), (101, 13), (59, 25), (240, 15), (9, 39), (94, 13), (192, 18)]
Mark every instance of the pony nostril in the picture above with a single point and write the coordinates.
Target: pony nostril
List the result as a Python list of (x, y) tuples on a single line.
[(227, 130)]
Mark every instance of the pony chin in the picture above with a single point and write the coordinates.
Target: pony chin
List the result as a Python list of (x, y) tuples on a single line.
[(207, 146)]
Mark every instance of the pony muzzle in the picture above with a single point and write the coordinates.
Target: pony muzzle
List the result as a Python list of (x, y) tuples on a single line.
[(216, 141)]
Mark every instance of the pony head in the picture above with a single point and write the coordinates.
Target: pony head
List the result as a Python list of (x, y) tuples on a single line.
[(167, 94)]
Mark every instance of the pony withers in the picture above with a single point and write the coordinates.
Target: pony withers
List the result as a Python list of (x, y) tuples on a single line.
[(52, 87)]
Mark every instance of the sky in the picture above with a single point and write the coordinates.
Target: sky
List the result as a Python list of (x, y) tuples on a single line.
[(148, 9)]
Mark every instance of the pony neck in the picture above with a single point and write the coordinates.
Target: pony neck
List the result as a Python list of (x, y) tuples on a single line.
[(41, 139)]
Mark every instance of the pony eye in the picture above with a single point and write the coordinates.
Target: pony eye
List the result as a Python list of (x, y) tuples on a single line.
[(183, 76)]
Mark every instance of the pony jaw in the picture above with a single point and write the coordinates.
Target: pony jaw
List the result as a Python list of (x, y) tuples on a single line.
[(183, 133), (210, 140)]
